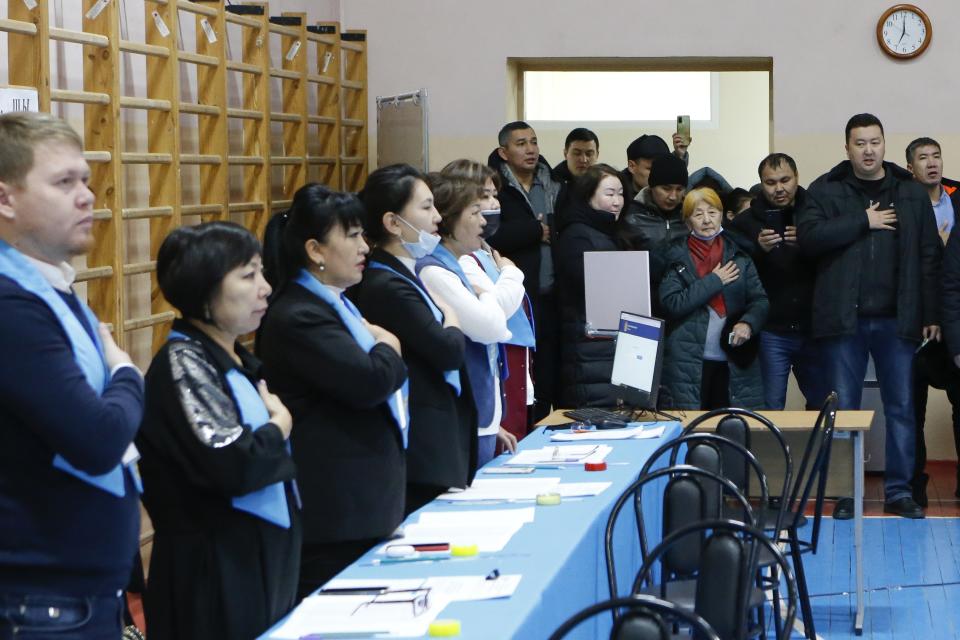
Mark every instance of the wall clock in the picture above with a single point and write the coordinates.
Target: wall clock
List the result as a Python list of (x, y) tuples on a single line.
[(904, 31)]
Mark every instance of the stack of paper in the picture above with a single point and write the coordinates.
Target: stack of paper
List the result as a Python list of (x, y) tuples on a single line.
[(561, 455), (454, 588), (503, 489), (489, 530), (628, 433)]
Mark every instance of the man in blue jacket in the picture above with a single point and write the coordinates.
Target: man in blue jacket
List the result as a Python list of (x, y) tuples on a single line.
[(70, 402), (872, 232)]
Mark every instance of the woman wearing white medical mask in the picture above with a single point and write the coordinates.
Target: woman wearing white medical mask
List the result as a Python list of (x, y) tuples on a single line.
[(402, 224)]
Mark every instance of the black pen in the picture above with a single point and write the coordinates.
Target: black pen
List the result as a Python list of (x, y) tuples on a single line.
[(353, 591)]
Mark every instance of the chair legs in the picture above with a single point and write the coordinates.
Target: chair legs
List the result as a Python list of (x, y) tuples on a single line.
[(802, 585)]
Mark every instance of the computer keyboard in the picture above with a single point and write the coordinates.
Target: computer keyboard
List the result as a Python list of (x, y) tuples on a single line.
[(593, 415)]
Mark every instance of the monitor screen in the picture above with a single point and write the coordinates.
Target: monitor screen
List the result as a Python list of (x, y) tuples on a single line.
[(638, 358)]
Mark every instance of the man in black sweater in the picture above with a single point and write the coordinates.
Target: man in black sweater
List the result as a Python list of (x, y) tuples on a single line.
[(873, 234), (70, 402), (769, 226)]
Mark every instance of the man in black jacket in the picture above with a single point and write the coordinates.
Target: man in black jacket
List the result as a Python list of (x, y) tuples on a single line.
[(788, 278), (640, 155), (528, 197), (932, 365), (581, 150), (872, 232)]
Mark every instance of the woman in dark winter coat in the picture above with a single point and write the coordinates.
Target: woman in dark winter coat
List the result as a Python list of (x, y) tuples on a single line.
[(590, 225), (715, 305)]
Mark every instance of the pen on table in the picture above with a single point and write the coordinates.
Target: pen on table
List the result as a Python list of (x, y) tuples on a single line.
[(352, 591), (493, 575)]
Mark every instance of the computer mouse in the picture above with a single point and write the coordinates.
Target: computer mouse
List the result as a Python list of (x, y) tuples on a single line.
[(610, 423)]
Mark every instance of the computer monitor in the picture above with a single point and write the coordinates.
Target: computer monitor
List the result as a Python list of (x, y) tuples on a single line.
[(638, 359)]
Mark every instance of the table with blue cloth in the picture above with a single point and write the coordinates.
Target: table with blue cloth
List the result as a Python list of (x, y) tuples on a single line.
[(560, 555)]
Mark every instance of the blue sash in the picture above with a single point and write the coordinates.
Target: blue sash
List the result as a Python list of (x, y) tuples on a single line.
[(518, 324), (353, 320), (453, 376), (87, 351), (269, 503)]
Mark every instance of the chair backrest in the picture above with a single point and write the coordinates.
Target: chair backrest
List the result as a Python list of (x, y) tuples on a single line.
[(726, 576), (679, 476), (814, 467), (735, 425), (643, 618)]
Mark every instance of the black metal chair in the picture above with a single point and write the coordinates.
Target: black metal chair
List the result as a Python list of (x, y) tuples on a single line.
[(645, 618), (687, 499), (812, 472), (725, 579)]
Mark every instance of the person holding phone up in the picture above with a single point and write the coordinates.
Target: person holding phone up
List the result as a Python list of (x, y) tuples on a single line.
[(769, 226)]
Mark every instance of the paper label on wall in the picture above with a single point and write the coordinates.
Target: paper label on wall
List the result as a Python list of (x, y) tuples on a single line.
[(97, 9), (327, 59), (161, 25), (294, 50), (30, 4), (18, 100), (208, 30)]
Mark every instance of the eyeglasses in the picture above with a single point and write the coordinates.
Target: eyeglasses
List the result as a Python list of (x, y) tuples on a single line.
[(418, 599)]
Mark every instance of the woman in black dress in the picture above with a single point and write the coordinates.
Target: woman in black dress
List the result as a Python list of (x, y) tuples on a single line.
[(344, 382), (402, 223), (217, 472)]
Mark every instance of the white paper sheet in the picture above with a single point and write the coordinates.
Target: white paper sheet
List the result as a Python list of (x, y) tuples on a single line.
[(454, 588), (561, 455), (628, 433), (503, 489)]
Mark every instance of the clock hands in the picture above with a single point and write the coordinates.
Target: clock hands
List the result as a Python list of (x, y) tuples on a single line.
[(903, 19)]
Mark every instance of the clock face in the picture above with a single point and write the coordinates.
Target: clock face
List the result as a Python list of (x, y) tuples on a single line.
[(904, 33)]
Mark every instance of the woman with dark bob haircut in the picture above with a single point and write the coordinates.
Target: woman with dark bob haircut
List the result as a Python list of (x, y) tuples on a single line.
[(402, 224), (344, 381), (216, 468)]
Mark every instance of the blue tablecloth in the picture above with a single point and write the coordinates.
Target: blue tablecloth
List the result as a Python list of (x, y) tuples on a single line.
[(560, 555)]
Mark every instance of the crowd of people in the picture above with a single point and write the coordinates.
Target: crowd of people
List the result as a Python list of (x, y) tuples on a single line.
[(405, 335)]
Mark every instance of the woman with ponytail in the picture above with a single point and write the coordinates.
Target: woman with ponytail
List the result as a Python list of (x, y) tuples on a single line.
[(343, 380)]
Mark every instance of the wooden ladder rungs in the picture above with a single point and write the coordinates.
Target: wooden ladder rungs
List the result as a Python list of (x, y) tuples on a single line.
[(245, 160), (321, 120), (319, 79), (283, 73), (135, 268), (93, 273), (199, 109), (249, 114), (200, 209), (192, 7), (240, 207), (284, 31), (321, 160), (139, 213), (350, 160), (200, 158), (84, 97), (79, 37), (130, 102), (285, 160), (244, 67), (196, 58), (351, 84), (102, 214), (144, 49), (279, 116), (148, 321), (281, 204), (253, 23), (97, 156), (18, 26), (146, 158), (352, 122)]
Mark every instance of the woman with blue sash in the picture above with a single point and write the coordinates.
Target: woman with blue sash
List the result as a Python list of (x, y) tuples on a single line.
[(402, 224), (344, 381), (483, 311), (518, 349), (218, 476)]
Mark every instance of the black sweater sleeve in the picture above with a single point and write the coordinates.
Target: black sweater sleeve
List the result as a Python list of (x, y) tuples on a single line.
[(42, 383)]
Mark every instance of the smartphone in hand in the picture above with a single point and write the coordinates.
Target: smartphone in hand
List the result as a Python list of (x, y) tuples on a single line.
[(683, 128), (773, 219)]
